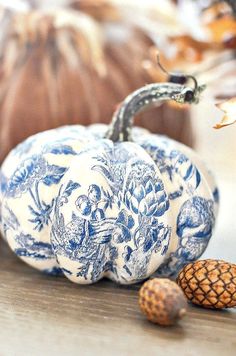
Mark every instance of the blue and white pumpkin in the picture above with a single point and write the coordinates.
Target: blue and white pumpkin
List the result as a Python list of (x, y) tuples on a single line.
[(92, 203)]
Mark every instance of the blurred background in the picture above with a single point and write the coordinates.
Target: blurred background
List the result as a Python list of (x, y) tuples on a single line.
[(68, 62)]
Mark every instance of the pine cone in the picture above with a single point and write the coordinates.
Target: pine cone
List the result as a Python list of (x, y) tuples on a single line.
[(162, 301), (209, 283)]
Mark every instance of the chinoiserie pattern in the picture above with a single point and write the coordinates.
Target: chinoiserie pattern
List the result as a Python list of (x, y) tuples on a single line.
[(94, 208)]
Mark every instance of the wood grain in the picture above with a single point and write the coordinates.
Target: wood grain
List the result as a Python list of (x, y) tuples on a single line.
[(43, 315)]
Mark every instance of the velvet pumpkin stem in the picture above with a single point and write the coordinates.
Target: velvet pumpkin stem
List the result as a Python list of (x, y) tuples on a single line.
[(142, 99)]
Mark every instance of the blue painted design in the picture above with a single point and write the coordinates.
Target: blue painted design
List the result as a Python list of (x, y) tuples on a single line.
[(25, 147), (92, 238), (173, 164), (143, 197), (196, 213), (216, 195), (27, 179), (195, 222), (59, 149), (30, 247), (89, 241), (31, 172), (118, 225), (54, 271), (10, 220), (3, 183)]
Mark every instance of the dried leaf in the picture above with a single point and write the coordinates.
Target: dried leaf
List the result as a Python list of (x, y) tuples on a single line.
[(229, 108), (215, 11), (185, 50), (223, 31)]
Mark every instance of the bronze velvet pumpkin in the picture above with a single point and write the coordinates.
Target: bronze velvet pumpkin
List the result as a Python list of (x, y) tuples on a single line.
[(64, 67)]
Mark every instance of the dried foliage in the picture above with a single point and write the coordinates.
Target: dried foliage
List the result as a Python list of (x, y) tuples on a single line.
[(229, 108)]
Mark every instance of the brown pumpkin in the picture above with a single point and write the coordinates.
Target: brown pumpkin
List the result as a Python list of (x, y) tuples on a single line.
[(63, 67)]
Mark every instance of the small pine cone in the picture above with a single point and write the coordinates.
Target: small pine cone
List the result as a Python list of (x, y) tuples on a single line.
[(162, 301), (209, 283)]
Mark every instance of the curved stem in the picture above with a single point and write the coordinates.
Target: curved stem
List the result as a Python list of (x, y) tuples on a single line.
[(141, 99)]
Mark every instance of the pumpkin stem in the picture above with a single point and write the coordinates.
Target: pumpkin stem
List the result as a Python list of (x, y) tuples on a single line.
[(146, 97)]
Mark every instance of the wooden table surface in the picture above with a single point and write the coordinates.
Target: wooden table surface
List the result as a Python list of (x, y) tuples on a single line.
[(42, 315)]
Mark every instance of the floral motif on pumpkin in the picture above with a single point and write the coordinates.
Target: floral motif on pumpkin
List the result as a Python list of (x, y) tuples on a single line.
[(95, 239), (30, 173), (89, 237), (146, 199), (173, 163), (27, 178)]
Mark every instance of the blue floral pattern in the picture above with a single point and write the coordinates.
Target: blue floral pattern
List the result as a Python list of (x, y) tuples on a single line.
[(174, 165), (106, 226), (27, 178), (89, 208)]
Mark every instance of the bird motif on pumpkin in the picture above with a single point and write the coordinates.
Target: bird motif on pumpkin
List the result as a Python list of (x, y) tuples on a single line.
[(194, 227)]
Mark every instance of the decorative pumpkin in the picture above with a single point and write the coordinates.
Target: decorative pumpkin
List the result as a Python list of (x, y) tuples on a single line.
[(111, 201), (62, 67)]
